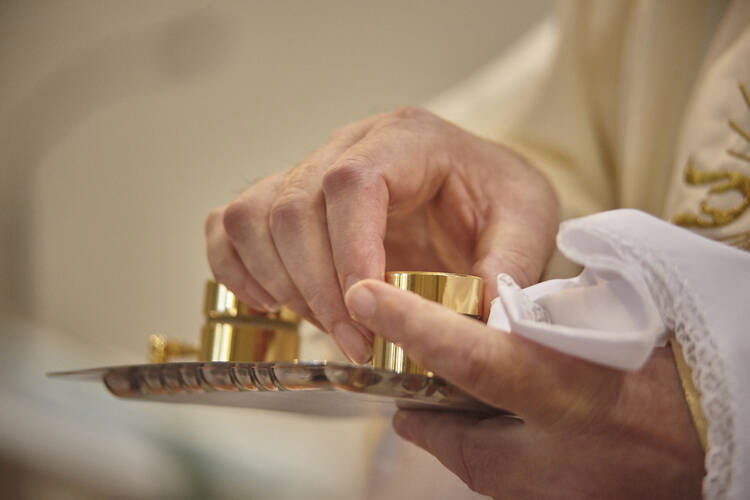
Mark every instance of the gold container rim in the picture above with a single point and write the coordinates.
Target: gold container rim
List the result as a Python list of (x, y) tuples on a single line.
[(459, 292)]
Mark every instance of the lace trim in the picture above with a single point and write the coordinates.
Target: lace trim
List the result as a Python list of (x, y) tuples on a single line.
[(682, 316)]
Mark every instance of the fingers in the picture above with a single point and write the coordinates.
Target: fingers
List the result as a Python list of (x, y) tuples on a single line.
[(356, 207), (299, 228), (517, 236), (383, 173), (505, 371), (228, 269), (278, 230), (246, 223), (304, 237), (511, 244), (299, 231)]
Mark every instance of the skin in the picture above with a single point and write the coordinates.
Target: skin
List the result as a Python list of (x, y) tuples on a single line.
[(404, 190), (409, 191), (588, 432)]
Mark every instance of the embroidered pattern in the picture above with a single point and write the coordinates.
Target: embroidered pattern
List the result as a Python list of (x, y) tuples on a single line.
[(710, 215), (739, 240)]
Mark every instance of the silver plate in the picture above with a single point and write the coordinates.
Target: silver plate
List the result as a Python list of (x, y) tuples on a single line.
[(317, 388)]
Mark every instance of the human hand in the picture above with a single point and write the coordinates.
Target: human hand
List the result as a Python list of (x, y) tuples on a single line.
[(404, 191), (588, 432)]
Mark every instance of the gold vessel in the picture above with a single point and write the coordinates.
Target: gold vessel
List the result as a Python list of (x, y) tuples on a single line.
[(250, 360), (459, 292), (233, 332)]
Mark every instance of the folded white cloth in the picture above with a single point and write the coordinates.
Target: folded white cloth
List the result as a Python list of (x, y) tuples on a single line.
[(636, 270), (645, 279), (605, 315)]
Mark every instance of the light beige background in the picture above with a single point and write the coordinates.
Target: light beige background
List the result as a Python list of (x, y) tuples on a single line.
[(121, 125)]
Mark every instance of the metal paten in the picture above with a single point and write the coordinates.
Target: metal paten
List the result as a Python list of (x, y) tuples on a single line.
[(250, 359)]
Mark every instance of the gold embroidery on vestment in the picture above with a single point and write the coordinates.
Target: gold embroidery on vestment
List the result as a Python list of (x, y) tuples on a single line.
[(738, 155), (745, 96), (713, 216), (738, 240), (734, 126)]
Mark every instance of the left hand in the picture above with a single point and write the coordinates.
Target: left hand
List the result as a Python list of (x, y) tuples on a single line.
[(402, 190), (588, 431)]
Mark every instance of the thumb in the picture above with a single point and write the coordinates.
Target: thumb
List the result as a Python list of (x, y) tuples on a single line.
[(487, 363)]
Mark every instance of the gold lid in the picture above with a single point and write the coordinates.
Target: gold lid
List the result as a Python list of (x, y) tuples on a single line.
[(460, 292), (221, 303)]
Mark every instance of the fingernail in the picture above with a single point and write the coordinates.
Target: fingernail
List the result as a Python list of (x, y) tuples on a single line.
[(351, 280), (352, 343), (361, 302)]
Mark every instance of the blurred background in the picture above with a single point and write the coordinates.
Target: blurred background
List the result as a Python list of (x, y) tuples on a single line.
[(122, 124)]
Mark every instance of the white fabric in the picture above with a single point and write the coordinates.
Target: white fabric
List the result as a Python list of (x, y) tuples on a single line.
[(605, 315), (643, 279)]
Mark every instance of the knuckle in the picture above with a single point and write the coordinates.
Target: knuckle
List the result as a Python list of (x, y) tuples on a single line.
[(288, 211), (477, 364), (241, 217), (352, 171), (235, 219), (411, 113)]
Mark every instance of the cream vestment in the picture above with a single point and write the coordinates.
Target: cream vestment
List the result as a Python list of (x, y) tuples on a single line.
[(642, 104)]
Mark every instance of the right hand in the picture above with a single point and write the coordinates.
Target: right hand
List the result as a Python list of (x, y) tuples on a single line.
[(589, 431), (400, 191)]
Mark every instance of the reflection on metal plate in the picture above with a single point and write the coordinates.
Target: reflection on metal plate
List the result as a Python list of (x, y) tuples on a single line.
[(317, 388)]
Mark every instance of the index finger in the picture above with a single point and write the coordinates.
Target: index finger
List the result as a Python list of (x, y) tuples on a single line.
[(384, 171)]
